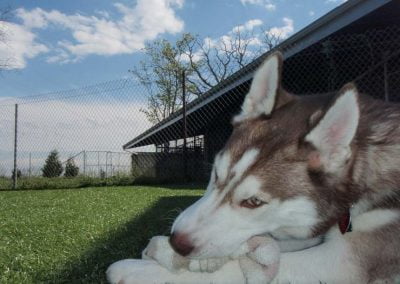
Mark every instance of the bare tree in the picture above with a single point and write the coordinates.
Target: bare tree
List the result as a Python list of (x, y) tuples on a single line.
[(212, 61), (206, 62), (269, 40)]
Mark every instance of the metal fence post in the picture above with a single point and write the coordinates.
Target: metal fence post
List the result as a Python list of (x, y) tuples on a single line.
[(106, 175), (30, 165), (15, 175), (185, 170), (385, 77), (84, 162)]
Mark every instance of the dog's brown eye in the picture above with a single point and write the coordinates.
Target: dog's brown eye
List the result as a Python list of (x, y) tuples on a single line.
[(252, 202)]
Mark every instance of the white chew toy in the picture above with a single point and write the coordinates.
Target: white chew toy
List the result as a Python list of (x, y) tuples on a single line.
[(257, 261)]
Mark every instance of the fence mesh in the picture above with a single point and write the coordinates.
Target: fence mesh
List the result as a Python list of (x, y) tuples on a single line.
[(101, 133)]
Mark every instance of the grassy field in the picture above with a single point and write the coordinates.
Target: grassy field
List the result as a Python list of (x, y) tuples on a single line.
[(40, 183), (71, 236)]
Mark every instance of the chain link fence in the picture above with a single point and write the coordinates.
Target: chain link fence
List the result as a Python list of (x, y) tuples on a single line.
[(86, 126), (101, 131)]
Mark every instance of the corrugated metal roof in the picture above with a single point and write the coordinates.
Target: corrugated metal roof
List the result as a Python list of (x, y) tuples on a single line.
[(331, 22)]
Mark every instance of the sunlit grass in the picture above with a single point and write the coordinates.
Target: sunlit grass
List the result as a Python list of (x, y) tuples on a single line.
[(71, 236)]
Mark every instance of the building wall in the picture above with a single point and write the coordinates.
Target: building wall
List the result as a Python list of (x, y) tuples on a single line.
[(168, 167), (215, 138)]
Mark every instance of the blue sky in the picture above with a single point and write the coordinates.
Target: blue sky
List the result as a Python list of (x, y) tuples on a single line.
[(59, 45)]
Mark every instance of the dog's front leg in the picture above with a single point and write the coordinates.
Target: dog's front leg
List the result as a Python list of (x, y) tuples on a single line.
[(135, 271), (331, 262), (160, 264)]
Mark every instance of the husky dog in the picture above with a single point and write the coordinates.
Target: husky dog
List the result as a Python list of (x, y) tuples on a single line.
[(299, 169)]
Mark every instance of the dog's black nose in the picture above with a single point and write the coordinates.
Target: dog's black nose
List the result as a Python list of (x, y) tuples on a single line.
[(181, 243)]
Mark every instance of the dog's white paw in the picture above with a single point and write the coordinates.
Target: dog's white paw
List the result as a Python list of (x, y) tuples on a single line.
[(117, 271), (207, 265), (138, 271)]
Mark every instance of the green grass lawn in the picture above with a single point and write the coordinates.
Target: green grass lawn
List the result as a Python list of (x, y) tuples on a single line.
[(71, 236)]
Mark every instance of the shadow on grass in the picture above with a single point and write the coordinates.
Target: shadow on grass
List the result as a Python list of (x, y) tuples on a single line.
[(179, 186), (126, 242)]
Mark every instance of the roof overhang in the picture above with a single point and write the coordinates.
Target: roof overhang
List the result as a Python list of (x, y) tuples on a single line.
[(328, 24)]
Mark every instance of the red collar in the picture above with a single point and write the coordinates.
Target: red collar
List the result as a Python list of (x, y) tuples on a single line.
[(344, 223)]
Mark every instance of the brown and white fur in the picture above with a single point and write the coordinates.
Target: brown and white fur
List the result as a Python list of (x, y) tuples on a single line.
[(291, 169)]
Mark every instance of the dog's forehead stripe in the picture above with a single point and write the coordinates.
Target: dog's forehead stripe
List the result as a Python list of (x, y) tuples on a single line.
[(222, 164), (245, 161), (238, 169)]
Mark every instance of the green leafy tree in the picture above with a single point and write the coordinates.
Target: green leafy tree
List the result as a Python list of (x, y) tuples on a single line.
[(161, 75), (71, 170), (52, 166)]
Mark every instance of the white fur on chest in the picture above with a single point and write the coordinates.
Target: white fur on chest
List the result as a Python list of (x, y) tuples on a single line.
[(374, 219)]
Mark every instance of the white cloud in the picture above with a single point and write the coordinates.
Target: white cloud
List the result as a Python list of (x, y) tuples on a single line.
[(20, 44), (61, 56), (32, 19), (197, 56), (311, 13), (270, 7), (267, 4), (252, 2), (98, 34), (229, 39), (249, 25), (282, 31), (102, 13)]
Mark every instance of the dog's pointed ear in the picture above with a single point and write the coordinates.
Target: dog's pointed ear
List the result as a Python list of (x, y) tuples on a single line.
[(263, 95), (334, 132)]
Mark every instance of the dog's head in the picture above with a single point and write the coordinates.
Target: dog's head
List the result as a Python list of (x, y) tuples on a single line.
[(283, 170)]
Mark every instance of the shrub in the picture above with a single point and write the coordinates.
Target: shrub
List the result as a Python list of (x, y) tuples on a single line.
[(52, 166), (71, 170)]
